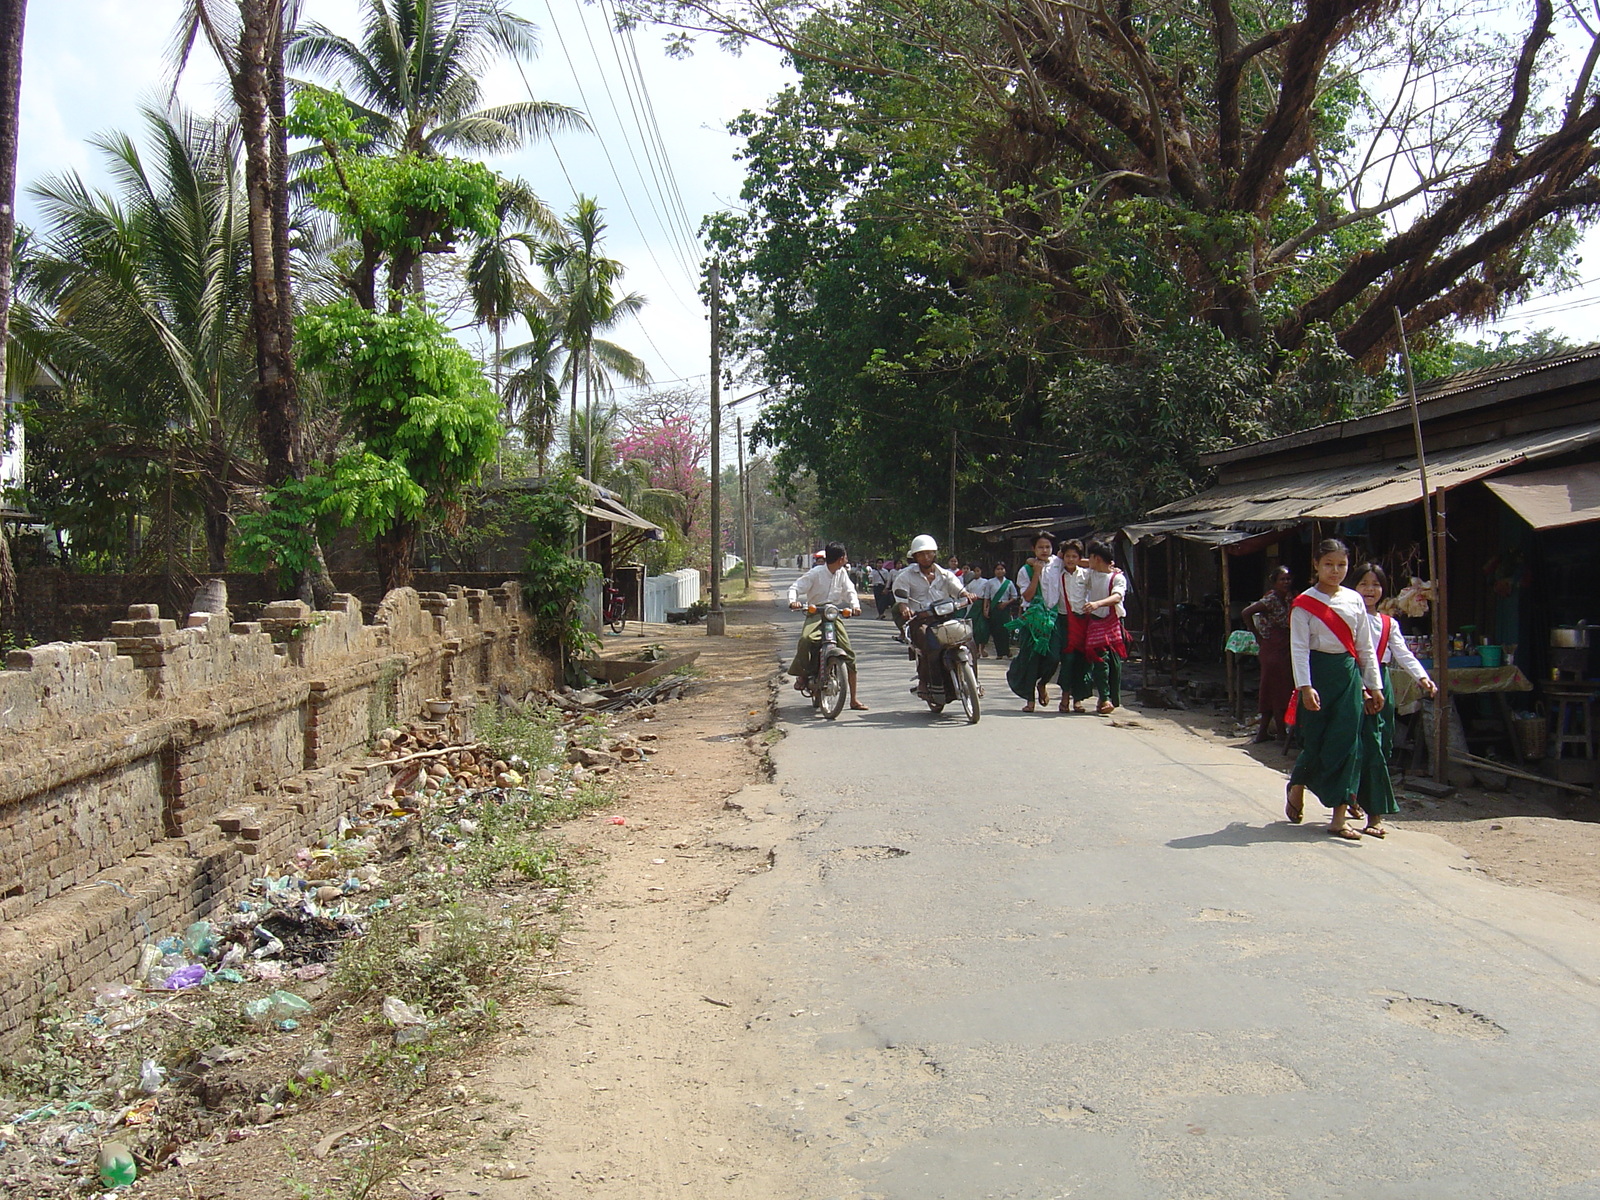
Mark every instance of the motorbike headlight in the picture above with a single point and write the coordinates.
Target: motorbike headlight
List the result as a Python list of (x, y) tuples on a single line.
[(943, 608), (830, 612)]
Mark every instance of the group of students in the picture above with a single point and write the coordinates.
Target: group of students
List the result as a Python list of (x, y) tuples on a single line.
[(1071, 604), (1340, 651)]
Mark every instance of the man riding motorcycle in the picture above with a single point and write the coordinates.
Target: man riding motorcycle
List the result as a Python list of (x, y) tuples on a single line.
[(915, 589), (826, 583)]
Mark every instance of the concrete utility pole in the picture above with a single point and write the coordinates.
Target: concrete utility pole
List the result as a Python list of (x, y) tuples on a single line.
[(716, 624)]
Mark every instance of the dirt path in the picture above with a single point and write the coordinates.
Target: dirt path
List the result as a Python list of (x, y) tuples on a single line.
[(631, 1080)]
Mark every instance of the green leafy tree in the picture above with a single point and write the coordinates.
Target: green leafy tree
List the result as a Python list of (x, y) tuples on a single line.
[(425, 418)]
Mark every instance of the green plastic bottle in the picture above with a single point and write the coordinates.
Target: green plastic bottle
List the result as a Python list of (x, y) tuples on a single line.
[(117, 1168)]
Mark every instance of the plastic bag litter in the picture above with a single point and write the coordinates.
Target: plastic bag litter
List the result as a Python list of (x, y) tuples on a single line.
[(198, 939), (397, 1012), (279, 1006), (317, 1062), (185, 977), (152, 1075)]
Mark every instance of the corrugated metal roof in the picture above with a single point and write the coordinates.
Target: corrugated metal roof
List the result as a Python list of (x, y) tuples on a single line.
[(1354, 491)]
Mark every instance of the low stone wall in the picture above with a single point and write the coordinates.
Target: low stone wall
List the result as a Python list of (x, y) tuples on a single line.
[(145, 775)]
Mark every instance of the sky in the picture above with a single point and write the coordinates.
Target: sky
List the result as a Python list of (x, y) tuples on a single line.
[(90, 64)]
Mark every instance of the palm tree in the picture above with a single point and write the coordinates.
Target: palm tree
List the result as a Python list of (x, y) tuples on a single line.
[(415, 75), (144, 297), (584, 302), (535, 386), (497, 283)]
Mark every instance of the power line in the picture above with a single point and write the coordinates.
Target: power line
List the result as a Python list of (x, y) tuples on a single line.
[(606, 150)]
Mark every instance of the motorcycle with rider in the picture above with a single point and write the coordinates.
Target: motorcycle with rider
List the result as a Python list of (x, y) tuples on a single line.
[(929, 598), (826, 594)]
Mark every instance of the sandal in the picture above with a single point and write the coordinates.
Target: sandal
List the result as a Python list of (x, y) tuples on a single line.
[(1377, 831), (1028, 707), (1294, 807), (1064, 706), (1357, 813), (1345, 832), (1106, 708)]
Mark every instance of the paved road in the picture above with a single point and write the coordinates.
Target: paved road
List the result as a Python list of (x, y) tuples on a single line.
[(1047, 957)]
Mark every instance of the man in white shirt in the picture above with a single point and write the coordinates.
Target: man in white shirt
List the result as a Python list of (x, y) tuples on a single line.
[(827, 583), (916, 589)]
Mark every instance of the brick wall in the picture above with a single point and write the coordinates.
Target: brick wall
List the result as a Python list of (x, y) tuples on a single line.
[(145, 776)]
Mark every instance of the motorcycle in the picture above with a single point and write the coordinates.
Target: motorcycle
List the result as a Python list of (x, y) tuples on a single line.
[(958, 679), (830, 682)]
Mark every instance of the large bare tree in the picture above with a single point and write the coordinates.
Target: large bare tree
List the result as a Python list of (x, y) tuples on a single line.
[(1309, 163)]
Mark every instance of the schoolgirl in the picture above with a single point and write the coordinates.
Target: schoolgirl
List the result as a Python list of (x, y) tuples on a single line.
[(1104, 644), (1000, 603), (1376, 793), (1039, 584), (978, 588), (1075, 614), (1336, 686)]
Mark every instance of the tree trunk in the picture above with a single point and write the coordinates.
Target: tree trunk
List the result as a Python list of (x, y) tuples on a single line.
[(395, 549), (13, 17), (276, 396)]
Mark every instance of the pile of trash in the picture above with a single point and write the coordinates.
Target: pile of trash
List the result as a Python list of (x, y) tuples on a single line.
[(276, 944)]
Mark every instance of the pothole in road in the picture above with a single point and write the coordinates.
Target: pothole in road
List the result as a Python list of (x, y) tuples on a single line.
[(868, 853), (1221, 914), (1444, 1017)]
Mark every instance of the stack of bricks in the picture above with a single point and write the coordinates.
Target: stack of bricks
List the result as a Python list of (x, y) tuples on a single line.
[(148, 776)]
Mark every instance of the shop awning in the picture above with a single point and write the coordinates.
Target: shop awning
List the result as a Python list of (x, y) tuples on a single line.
[(1553, 499), (1355, 490)]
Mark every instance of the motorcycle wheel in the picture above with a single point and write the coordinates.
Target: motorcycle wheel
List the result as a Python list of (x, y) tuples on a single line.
[(967, 685), (834, 685)]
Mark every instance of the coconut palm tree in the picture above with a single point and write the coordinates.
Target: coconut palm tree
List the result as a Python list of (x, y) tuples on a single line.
[(584, 301), (535, 386), (415, 75), (13, 18), (142, 295), (496, 276)]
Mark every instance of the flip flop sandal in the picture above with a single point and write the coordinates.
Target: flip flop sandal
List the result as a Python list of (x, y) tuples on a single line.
[(1377, 831), (1028, 707), (1345, 833), (1106, 709), (1294, 808)]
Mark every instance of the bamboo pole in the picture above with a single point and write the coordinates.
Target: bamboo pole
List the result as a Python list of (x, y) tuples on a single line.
[(1235, 690), (1433, 525)]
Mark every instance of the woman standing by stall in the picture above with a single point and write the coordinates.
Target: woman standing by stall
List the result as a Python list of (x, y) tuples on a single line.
[(1039, 583), (1336, 685), (1376, 793), (1271, 616)]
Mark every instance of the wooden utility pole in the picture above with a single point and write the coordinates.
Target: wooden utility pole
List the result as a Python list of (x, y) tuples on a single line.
[(716, 624), (1433, 535)]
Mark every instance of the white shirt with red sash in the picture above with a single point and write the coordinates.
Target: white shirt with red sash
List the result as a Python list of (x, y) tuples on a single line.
[(1314, 626)]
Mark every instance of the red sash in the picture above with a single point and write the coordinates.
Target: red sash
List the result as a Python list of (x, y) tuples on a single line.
[(1338, 628), (1383, 638)]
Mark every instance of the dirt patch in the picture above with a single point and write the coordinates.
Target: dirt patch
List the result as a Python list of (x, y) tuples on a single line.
[(1513, 836)]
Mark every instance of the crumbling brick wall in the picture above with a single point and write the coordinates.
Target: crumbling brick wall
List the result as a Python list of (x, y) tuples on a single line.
[(145, 776)]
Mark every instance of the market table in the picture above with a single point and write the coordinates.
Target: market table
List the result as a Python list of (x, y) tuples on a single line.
[(1470, 681)]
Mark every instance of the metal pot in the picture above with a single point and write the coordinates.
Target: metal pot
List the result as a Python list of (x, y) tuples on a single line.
[(1570, 637)]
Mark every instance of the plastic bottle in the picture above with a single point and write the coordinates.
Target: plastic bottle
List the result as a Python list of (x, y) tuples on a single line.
[(116, 1166)]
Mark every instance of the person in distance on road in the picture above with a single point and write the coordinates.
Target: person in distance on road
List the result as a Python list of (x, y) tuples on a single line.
[(1039, 582), (915, 590), (979, 588), (1103, 642), (826, 583), (1001, 603), (1075, 616)]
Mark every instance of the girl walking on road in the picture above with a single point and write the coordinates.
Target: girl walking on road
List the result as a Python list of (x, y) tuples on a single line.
[(1075, 615), (1376, 793), (1103, 642), (1039, 582), (1336, 686), (1000, 609)]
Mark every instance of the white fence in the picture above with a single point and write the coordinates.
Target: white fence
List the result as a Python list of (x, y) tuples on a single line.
[(662, 594), (670, 593)]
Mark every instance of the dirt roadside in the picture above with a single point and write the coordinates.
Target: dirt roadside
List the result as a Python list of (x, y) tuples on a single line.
[(1550, 841)]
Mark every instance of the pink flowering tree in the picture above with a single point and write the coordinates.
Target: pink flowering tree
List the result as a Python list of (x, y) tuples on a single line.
[(661, 455)]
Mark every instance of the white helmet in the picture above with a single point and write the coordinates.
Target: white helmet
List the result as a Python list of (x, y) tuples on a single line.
[(923, 542)]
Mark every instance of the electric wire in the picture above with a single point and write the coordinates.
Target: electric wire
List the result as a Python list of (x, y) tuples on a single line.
[(606, 151), (627, 142)]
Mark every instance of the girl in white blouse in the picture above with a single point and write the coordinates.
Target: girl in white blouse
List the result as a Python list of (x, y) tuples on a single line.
[(1337, 684), (1376, 793), (1039, 582)]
